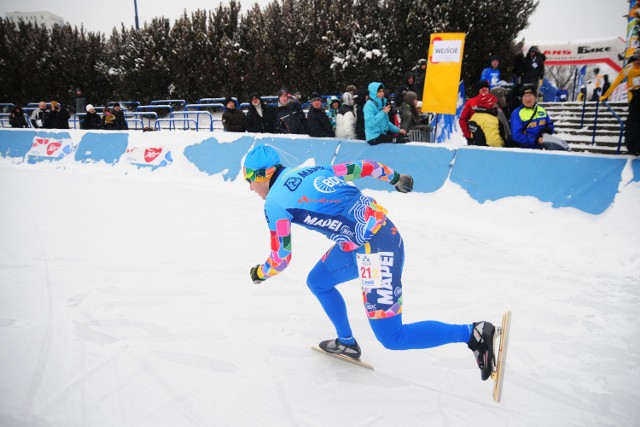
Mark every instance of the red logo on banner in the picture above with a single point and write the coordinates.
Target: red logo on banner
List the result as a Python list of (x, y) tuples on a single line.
[(40, 141), (53, 147), (150, 154)]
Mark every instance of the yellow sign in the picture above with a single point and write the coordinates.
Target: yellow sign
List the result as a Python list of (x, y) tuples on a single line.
[(443, 73)]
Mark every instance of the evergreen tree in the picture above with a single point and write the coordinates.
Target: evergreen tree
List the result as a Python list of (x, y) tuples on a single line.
[(305, 46)]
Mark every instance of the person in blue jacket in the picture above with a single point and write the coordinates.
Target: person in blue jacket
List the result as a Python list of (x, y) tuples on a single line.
[(530, 121), (367, 247), (377, 127), (491, 74)]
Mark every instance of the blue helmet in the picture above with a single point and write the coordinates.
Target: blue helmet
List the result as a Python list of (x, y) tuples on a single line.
[(262, 157)]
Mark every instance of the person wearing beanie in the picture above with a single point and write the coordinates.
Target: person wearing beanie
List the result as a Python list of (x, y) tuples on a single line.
[(317, 119), (289, 115), (91, 119), (261, 118), (531, 125), (346, 118), (482, 88), (233, 119), (332, 111), (365, 246)]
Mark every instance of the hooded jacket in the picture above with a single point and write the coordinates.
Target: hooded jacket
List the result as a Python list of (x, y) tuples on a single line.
[(405, 87), (469, 109), (376, 121)]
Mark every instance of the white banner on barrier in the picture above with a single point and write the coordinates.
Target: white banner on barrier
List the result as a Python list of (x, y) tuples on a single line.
[(49, 148), (153, 156)]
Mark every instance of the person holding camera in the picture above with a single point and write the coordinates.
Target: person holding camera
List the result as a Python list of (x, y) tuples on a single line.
[(377, 127), (58, 117)]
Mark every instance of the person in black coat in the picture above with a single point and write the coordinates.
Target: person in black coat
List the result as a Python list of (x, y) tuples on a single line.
[(233, 119), (120, 123), (405, 86), (533, 67), (319, 124), (261, 117), (91, 120), (289, 116), (17, 118), (361, 98), (420, 73), (58, 118)]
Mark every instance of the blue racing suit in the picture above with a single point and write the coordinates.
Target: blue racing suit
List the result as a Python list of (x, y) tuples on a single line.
[(320, 198)]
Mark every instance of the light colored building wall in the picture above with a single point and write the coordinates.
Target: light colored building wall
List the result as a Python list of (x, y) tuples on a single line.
[(45, 18)]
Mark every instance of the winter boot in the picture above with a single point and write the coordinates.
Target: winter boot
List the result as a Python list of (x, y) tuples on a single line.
[(336, 347), (481, 343)]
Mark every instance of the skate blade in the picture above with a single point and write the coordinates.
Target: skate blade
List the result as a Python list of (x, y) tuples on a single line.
[(343, 358), (498, 374)]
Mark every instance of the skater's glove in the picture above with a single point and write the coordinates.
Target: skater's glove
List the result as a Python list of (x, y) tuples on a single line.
[(403, 183), (255, 275)]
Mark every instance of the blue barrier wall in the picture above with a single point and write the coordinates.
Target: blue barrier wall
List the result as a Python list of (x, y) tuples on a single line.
[(586, 182)]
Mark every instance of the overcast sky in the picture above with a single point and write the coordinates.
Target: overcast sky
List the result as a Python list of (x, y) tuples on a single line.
[(554, 20)]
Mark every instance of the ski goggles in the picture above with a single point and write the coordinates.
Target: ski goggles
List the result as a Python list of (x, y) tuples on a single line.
[(258, 175)]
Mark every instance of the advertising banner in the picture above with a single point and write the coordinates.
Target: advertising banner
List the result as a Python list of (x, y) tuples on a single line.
[(604, 51), (148, 155), (443, 73), (49, 148)]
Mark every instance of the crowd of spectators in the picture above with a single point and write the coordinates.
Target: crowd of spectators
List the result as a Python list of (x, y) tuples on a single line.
[(498, 114)]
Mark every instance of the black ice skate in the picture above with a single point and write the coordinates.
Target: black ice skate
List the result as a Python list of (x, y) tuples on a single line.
[(336, 347), (481, 343)]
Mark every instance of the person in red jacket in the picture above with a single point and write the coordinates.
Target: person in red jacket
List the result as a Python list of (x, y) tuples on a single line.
[(469, 108)]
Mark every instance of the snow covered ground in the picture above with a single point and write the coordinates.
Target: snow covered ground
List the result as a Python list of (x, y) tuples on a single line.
[(125, 300)]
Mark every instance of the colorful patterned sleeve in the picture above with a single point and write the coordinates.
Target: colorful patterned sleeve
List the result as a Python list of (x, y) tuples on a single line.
[(280, 230), (363, 168)]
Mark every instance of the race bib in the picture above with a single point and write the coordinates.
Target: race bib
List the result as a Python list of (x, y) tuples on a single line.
[(369, 270)]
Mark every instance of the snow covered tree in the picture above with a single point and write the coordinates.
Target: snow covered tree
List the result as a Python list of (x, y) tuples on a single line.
[(191, 59)]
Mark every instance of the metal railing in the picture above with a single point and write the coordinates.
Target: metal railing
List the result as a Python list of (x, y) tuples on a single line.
[(606, 104), (140, 116), (186, 123), (204, 106), (175, 103), (178, 116)]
